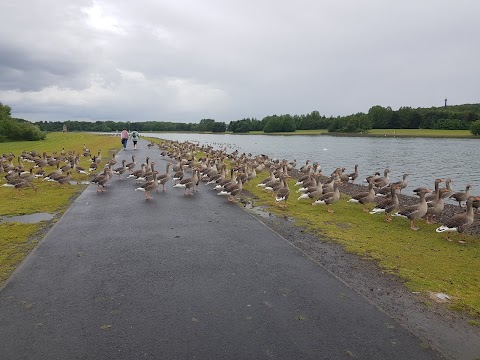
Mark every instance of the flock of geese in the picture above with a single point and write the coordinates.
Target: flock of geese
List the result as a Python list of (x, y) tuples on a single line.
[(227, 172)]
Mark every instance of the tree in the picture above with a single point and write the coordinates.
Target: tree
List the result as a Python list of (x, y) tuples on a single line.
[(475, 128), (217, 127), (379, 116)]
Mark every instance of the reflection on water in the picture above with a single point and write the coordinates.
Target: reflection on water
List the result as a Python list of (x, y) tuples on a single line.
[(425, 158)]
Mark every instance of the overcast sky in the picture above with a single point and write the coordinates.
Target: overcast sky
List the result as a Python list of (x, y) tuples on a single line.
[(185, 60)]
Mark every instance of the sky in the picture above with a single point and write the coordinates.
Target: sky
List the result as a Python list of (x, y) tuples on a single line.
[(187, 60)]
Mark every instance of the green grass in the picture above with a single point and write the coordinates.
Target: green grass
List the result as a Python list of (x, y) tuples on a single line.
[(423, 133), (424, 259), (17, 239)]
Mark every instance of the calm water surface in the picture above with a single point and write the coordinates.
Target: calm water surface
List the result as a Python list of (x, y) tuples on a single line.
[(426, 159)]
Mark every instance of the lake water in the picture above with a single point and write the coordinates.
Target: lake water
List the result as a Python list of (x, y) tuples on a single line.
[(425, 158)]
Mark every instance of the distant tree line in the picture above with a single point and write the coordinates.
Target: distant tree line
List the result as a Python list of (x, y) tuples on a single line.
[(461, 117), (12, 129)]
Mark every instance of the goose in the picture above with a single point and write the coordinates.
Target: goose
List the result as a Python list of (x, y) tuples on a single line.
[(93, 166), (403, 184), (102, 179), (311, 182), (189, 183), (283, 193), (417, 211), (54, 174), (330, 197), (113, 160), (436, 192), (435, 207), (306, 168), (78, 168), (364, 198), (460, 222), (227, 183), (137, 174), (232, 190), (389, 205), (383, 180), (461, 196), (178, 175), (120, 170), (131, 165), (163, 178), (313, 192), (64, 179), (372, 177), (354, 175), (149, 186), (24, 184), (270, 178)]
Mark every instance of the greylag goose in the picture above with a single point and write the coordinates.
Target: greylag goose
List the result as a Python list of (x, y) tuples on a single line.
[(388, 205), (372, 178), (460, 222), (102, 179), (64, 179), (354, 175), (131, 165), (436, 192), (120, 170), (435, 207), (151, 185), (306, 168), (364, 198), (461, 196), (189, 183), (330, 197), (178, 175), (232, 190), (138, 174), (283, 193), (402, 185), (417, 211), (382, 181), (163, 178), (268, 179), (313, 192)]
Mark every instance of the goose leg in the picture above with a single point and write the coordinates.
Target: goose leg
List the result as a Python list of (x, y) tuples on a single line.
[(413, 226)]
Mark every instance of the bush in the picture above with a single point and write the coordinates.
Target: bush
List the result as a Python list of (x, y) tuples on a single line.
[(475, 127)]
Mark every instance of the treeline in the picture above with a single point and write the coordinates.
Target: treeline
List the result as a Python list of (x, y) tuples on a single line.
[(457, 117), (12, 129), (205, 125)]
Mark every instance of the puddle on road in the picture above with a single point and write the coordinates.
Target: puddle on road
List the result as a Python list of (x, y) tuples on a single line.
[(263, 212), (28, 219)]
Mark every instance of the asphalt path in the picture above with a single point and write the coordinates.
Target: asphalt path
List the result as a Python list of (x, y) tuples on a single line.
[(183, 277)]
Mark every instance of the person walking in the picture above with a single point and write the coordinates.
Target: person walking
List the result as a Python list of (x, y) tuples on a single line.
[(124, 137), (135, 136)]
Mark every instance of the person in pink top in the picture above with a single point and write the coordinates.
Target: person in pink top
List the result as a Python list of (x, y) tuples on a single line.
[(124, 137)]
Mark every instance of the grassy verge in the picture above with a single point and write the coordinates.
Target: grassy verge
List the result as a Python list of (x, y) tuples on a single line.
[(422, 258), (17, 239), (422, 133)]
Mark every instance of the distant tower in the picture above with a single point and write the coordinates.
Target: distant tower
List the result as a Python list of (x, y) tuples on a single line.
[(445, 102)]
